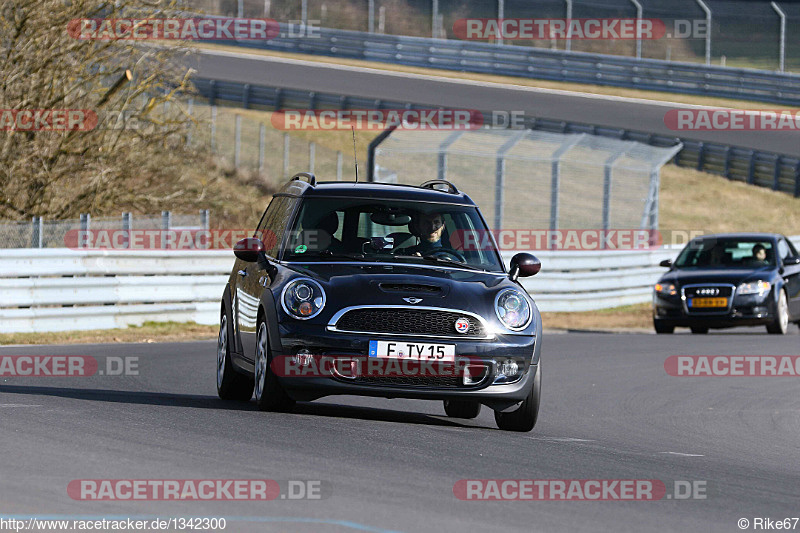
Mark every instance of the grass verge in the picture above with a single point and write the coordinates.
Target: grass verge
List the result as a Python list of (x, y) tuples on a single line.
[(148, 332), (627, 317)]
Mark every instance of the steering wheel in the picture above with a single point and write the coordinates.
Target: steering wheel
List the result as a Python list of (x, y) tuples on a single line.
[(447, 254)]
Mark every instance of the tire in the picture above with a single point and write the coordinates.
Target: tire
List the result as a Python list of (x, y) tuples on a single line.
[(697, 330), (523, 418), (270, 395), (662, 328), (462, 408), (781, 323), (231, 385)]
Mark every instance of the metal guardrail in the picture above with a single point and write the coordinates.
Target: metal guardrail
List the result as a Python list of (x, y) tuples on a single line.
[(766, 169), (63, 289), (538, 63)]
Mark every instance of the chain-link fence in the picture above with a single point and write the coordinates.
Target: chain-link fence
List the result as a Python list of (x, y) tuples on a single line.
[(742, 33), (255, 145), (42, 233), (535, 179)]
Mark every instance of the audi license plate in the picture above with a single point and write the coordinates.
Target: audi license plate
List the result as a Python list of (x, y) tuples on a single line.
[(412, 350), (708, 302)]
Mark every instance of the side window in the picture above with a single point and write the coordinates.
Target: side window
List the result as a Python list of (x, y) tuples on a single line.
[(783, 250), (273, 226)]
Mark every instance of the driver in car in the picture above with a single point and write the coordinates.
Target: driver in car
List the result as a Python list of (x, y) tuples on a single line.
[(428, 228)]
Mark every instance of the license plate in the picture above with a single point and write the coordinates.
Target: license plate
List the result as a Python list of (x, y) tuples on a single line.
[(708, 302), (417, 351)]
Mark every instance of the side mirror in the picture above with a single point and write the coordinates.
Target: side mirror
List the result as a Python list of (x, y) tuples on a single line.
[(524, 265), (248, 249), (792, 261), (666, 263)]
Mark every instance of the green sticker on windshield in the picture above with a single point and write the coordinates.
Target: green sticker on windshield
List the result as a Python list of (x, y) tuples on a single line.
[(301, 249)]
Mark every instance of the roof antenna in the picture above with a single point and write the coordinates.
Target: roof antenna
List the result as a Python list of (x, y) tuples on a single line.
[(355, 157)]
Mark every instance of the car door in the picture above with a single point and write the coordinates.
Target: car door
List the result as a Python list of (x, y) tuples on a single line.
[(253, 278), (791, 275)]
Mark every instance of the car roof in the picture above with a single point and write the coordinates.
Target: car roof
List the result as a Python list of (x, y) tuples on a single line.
[(742, 235), (373, 190)]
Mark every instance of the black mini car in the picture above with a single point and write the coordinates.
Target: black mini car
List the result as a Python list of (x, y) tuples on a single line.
[(369, 289), (727, 280)]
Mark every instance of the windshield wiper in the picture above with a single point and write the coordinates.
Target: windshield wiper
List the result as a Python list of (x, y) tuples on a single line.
[(444, 262), (327, 254)]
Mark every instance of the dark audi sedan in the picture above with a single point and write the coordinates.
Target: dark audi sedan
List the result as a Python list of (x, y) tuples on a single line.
[(727, 280), (382, 290)]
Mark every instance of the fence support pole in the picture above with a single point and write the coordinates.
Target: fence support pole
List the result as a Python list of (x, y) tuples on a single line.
[(166, 222), (501, 10), (86, 222), (312, 148), (707, 11), (441, 172), (500, 176), (36, 233), (237, 141), (434, 18), (204, 219), (638, 28), (189, 111), (213, 128), (608, 165), (126, 228), (555, 177), (261, 148), (371, 14), (568, 44), (338, 166), (782, 53)]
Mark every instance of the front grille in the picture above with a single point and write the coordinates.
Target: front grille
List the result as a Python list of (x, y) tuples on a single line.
[(408, 321), (443, 382), (409, 287), (708, 292)]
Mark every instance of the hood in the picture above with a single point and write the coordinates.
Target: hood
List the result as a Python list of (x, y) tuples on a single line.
[(732, 276)]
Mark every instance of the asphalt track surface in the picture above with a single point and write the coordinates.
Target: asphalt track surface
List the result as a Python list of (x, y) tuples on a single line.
[(610, 111), (610, 411)]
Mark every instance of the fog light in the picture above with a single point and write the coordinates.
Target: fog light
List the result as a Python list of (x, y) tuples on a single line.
[(474, 374), (508, 371), (509, 368), (303, 357)]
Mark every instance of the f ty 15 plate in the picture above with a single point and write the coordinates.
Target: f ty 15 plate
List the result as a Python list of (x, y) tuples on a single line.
[(412, 350)]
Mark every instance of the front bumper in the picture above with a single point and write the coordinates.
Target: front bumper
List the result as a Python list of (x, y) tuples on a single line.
[(745, 310), (321, 342)]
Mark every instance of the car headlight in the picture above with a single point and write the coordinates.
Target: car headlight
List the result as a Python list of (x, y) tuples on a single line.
[(759, 287), (666, 288), (512, 309), (303, 298)]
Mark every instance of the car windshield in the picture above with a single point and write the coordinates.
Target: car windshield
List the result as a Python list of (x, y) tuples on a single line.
[(727, 253), (342, 229)]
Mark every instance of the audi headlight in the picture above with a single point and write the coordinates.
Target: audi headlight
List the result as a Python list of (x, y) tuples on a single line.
[(303, 298), (759, 287), (666, 288), (512, 309)]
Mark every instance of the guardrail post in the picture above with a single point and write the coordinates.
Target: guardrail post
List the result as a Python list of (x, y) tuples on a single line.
[(126, 228), (166, 222), (751, 169), (261, 146), (213, 128), (237, 141), (338, 166), (776, 176), (246, 96), (278, 97), (204, 219), (212, 93), (312, 149), (701, 155), (797, 180), (285, 155), (86, 222), (727, 170), (36, 233)]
